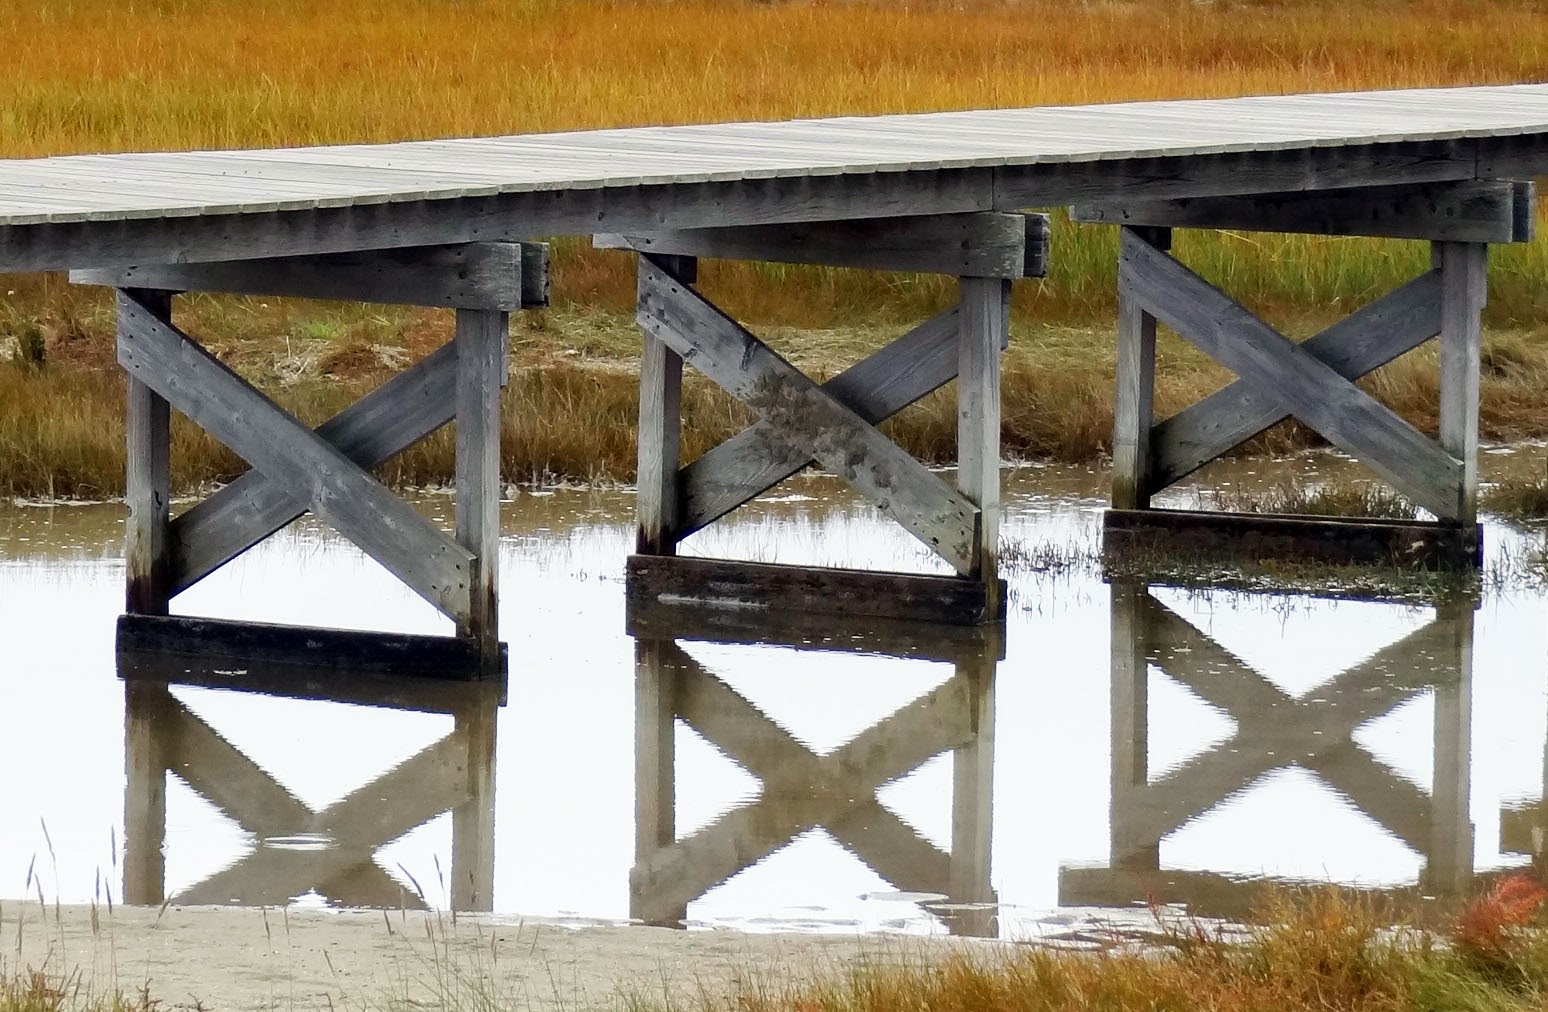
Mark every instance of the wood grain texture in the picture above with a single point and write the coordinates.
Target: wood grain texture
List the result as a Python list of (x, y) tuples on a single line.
[(984, 327), (1464, 289), (480, 341), (658, 498), (148, 485), (1134, 398)]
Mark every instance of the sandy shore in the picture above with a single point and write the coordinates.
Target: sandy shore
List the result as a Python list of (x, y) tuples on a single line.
[(272, 959)]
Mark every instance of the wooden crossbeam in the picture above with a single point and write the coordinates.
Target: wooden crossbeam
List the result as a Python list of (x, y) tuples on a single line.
[(496, 276), (1315, 393), (988, 244), (1472, 210), (308, 466), (1376, 334), (833, 434)]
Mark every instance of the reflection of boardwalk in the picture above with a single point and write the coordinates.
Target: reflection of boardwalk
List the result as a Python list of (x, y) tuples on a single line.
[(330, 852), (802, 790), (1275, 730)]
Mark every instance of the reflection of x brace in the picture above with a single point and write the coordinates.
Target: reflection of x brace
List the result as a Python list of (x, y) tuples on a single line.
[(344, 870), (1312, 381), (801, 422), (802, 790), (1275, 730)]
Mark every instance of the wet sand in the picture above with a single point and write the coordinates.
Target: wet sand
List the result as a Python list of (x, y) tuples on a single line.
[(242, 958)]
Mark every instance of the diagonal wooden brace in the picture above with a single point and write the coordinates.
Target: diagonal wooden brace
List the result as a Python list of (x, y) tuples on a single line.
[(313, 470), (1313, 391), (831, 432)]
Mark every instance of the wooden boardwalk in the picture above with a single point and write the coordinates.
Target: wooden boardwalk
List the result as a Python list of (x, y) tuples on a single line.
[(451, 224)]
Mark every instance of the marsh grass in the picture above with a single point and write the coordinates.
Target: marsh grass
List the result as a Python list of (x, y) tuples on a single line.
[(1322, 499)]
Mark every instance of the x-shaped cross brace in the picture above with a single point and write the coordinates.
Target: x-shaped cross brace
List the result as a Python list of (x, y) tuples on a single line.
[(800, 789)]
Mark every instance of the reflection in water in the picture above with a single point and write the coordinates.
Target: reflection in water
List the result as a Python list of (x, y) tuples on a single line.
[(297, 851), (1275, 730), (803, 790)]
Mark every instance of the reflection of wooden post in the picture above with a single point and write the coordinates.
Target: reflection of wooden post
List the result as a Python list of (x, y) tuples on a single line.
[(473, 821), (1449, 864), (972, 802), (1130, 727), (145, 792), (655, 797)]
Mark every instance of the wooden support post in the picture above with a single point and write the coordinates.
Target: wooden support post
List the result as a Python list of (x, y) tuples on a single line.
[(1464, 289), (145, 793), (972, 803), (659, 502), (148, 484), (655, 763), (985, 322), (1449, 860), (473, 820), (1133, 406), (481, 341)]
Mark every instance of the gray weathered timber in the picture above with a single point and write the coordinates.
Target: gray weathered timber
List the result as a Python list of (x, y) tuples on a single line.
[(1464, 288), (838, 438), (658, 503), (1343, 413), (535, 282), (480, 275), (148, 485), (986, 244), (1488, 211), (481, 368), (1134, 398), (373, 430), (760, 456), (984, 327), (1376, 334), (333, 487)]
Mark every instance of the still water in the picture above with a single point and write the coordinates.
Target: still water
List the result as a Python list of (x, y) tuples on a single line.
[(1124, 743)]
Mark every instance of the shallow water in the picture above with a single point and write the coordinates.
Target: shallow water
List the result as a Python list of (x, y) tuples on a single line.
[(1133, 744)]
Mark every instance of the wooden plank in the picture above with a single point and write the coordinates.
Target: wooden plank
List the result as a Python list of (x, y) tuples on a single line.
[(535, 283), (479, 275), (1134, 400), (1374, 335), (1480, 210), (838, 438), (147, 484), (480, 339), (394, 416), (334, 488), (658, 499), (1343, 413), (760, 456), (989, 244), (1201, 535), (774, 588), (984, 328), (1464, 289)]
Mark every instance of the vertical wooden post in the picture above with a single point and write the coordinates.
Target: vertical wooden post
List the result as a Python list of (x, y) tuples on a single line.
[(660, 430), (1464, 289), (972, 801), (145, 792), (473, 820), (481, 342), (1449, 863), (1134, 401), (1130, 725), (148, 486), (985, 322), (655, 765)]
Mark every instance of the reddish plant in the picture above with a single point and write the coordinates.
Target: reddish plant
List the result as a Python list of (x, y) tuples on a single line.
[(1486, 924)]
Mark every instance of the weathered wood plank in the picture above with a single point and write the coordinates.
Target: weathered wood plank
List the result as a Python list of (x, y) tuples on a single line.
[(658, 498), (760, 456), (334, 488), (984, 305), (1464, 289), (1134, 399), (481, 368), (988, 245), (900, 486), (1479, 210), (653, 580), (1343, 413), (148, 485), (391, 418), (479, 275), (1374, 335)]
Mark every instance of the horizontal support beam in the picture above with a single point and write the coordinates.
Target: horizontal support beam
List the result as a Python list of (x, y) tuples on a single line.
[(479, 275), (987, 244), (1487, 210), (765, 587)]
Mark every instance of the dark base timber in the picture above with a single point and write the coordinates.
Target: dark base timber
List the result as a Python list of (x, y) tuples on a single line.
[(289, 660), (673, 581), (1216, 537)]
